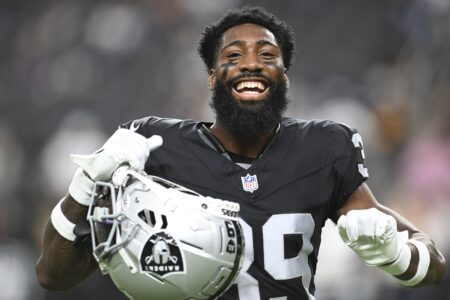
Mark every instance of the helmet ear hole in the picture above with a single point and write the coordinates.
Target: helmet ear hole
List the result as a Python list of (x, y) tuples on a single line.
[(104, 198), (159, 240)]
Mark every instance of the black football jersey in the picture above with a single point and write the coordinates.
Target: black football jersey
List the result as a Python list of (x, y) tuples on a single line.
[(303, 177)]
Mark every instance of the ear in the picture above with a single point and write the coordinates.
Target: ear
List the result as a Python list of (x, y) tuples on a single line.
[(211, 79), (286, 78)]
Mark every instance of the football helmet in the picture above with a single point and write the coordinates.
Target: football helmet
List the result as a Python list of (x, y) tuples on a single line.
[(159, 240)]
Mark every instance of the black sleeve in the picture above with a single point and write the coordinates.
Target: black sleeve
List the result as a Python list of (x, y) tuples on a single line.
[(139, 126), (348, 167), (151, 125)]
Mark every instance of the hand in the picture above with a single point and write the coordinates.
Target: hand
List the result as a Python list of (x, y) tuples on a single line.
[(373, 235), (123, 147)]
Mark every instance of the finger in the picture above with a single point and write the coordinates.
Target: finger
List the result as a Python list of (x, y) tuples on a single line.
[(342, 229), (94, 164), (136, 163), (380, 228), (154, 142), (368, 226), (352, 227), (385, 228), (82, 160)]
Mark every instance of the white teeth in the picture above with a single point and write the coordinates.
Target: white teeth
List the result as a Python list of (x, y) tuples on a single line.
[(250, 85)]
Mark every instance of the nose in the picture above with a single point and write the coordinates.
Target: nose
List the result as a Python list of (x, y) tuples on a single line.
[(250, 63)]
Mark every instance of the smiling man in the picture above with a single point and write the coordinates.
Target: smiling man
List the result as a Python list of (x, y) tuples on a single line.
[(249, 82), (288, 176)]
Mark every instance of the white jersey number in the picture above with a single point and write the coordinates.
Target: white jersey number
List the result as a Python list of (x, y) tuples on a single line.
[(279, 267), (357, 142)]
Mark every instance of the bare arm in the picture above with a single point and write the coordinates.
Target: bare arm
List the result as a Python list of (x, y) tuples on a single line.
[(363, 198), (61, 265)]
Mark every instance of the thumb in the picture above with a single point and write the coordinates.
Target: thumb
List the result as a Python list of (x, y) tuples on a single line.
[(84, 161), (91, 163)]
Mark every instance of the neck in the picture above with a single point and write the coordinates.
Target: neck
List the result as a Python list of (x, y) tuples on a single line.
[(248, 146)]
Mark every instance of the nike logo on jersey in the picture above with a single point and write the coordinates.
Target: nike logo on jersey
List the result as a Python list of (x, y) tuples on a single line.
[(133, 126)]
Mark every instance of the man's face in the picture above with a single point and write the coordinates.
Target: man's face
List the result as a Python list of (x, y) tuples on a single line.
[(249, 81)]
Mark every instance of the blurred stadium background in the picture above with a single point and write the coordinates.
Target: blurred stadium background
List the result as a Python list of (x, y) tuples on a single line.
[(71, 71)]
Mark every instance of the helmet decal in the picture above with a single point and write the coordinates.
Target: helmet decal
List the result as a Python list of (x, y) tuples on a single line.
[(149, 217), (161, 255)]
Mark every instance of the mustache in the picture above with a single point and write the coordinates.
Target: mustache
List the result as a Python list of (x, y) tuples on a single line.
[(249, 74)]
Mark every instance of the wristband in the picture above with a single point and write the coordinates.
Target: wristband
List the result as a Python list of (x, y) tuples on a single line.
[(81, 188), (422, 265), (60, 222)]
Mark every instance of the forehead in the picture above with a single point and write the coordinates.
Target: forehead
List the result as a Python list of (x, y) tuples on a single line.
[(248, 33)]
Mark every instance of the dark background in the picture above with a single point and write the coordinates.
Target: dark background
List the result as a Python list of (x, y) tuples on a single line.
[(71, 71)]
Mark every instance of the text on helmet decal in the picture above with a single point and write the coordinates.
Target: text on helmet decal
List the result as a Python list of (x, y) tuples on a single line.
[(161, 255)]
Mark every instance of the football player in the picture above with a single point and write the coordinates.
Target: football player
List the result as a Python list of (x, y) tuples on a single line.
[(289, 176)]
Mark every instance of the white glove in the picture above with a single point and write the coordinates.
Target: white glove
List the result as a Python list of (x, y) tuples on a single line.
[(373, 235), (123, 147)]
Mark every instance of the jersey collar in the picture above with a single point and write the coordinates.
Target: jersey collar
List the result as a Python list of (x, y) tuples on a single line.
[(273, 159)]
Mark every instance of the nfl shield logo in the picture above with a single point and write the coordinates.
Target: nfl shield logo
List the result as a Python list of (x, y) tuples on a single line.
[(250, 183)]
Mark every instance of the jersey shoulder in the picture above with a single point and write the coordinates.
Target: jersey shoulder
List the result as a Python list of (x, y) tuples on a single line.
[(151, 125), (323, 136)]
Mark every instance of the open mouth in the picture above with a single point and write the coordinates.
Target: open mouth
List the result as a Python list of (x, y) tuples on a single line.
[(251, 88)]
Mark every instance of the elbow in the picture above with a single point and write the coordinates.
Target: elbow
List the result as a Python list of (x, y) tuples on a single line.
[(438, 273), (47, 281), (50, 283), (44, 279)]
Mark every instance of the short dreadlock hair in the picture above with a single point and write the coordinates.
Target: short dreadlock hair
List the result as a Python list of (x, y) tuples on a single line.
[(211, 36)]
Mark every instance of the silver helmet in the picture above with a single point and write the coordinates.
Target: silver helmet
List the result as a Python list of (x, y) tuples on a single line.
[(159, 240)]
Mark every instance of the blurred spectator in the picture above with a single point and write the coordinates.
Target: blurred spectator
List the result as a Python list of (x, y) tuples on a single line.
[(79, 133), (17, 261)]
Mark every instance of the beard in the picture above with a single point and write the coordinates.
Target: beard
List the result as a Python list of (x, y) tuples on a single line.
[(249, 118)]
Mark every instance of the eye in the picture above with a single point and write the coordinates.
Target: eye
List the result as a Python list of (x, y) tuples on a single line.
[(233, 55), (267, 54)]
